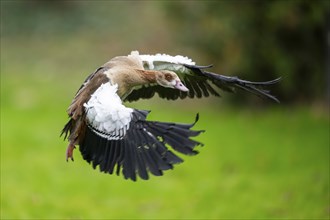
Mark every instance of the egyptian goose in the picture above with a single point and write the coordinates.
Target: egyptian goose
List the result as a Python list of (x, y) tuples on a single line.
[(120, 139)]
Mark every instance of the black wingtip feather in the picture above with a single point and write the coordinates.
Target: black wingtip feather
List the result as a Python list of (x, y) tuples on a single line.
[(227, 83), (143, 150), (67, 128)]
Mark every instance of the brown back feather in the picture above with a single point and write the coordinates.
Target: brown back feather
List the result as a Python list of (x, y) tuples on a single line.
[(76, 108)]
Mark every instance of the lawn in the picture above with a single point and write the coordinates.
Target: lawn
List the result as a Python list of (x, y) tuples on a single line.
[(269, 163)]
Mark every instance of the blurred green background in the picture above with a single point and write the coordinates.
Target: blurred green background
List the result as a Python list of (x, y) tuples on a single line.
[(260, 159)]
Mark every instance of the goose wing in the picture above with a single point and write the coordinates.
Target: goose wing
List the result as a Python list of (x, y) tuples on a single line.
[(120, 139), (90, 85), (199, 81)]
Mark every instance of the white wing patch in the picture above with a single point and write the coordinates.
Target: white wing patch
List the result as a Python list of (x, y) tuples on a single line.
[(150, 59), (106, 114)]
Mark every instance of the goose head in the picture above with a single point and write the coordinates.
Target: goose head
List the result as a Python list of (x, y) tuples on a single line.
[(170, 79)]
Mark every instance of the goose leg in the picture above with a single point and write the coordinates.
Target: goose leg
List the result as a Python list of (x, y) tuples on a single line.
[(69, 152)]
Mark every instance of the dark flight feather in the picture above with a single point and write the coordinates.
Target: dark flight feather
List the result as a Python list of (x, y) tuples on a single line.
[(143, 149), (200, 84)]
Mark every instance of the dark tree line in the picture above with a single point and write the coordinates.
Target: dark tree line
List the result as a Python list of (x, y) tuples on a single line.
[(275, 38)]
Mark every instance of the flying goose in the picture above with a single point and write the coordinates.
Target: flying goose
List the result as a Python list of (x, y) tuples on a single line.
[(120, 139)]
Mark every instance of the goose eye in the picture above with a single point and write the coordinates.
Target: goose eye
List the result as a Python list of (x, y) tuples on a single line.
[(168, 77)]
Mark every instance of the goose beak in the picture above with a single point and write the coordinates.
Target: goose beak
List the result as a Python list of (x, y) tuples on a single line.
[(179, 85)]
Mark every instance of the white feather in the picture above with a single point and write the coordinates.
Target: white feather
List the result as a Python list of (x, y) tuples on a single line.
[(150, 59), (106, 113)]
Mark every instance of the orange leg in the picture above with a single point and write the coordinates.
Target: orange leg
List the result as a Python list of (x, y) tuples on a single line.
[(69, 152)]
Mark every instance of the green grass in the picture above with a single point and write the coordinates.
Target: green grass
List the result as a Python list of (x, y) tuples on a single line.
[(255, 164)]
